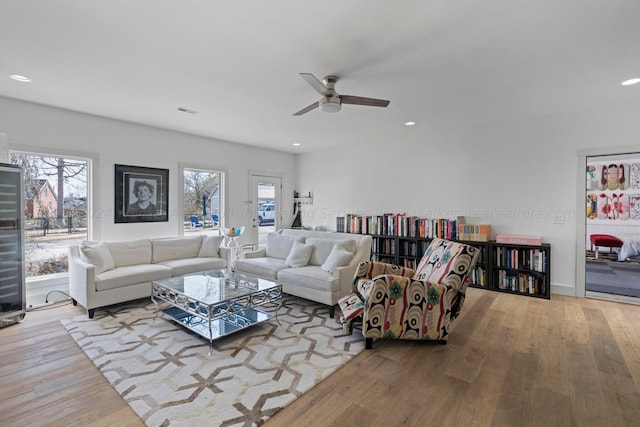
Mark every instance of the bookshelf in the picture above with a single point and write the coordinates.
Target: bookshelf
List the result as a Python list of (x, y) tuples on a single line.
[(410, 250), (503, 267), (521, 269), (383, 249), (480, 277), (407, 252)]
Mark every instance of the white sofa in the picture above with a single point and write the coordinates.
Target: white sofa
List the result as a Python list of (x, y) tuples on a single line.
[(326, 273), (105, 273)]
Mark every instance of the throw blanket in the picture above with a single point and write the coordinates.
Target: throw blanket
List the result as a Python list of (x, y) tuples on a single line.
[(630, 246)]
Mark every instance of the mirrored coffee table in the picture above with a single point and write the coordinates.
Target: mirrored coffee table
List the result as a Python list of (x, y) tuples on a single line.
[(215, 303)]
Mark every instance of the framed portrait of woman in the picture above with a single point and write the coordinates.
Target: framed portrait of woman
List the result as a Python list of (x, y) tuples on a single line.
[(141, 194)]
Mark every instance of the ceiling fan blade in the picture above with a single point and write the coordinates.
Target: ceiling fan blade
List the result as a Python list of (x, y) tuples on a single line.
[(359, 100), (314, 83), (307, 109)]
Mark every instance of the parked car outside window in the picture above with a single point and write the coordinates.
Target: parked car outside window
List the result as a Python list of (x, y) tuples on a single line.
[(266, 213)]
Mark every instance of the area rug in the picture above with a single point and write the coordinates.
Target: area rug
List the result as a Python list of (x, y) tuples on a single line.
[(168, 377)]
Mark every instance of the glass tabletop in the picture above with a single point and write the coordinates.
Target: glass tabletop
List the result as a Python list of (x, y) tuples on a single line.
[(211, 287)]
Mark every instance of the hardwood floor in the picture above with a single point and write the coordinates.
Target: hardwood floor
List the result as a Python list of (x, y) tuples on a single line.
[(511, 361)]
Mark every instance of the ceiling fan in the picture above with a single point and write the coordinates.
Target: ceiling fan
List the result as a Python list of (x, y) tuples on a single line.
[(331, 101)]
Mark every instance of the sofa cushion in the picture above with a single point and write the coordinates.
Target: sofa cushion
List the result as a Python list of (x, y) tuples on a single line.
[(299, 255), (322, 248), (337, 258), (133, 252), (175, 248), (210, 246), (266, 267), (310, 276), (279, 246), (183, 266), (131, 275), (97, 254)]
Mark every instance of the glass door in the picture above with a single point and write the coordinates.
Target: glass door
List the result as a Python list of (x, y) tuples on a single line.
[(266, 193)]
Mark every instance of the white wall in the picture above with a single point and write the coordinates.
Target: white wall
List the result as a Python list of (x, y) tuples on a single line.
[(116, 142), (520, 177)]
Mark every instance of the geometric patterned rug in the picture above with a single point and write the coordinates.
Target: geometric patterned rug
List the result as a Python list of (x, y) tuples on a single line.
[(167, 376)]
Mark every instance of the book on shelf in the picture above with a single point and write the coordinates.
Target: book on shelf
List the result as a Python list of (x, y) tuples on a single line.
[(522, 283), (474, 232), (530, 259), (402, 225), (517, 239)]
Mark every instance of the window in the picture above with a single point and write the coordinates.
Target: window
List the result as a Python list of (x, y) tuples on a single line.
[(55, 210), (202, 199)]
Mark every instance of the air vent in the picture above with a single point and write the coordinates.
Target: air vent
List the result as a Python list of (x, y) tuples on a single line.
[(186, 110)]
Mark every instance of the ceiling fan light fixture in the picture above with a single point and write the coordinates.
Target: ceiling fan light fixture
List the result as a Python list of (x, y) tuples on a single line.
[(330, 105)]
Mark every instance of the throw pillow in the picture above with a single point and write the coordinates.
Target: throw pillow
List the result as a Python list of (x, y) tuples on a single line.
[(337, 258), (322, 248), (210, 246), (98, 255), (299, 255)]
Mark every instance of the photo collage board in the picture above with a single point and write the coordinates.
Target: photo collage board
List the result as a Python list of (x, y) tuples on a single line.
[(613, 190)]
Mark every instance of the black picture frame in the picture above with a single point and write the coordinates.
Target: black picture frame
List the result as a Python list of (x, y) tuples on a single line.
[(141, 194)]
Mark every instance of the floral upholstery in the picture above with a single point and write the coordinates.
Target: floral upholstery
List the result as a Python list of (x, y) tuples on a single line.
[(419, 304), (352, 304)]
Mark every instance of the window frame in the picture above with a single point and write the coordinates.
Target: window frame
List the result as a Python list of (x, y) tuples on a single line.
[(183, 167), (39, 285)]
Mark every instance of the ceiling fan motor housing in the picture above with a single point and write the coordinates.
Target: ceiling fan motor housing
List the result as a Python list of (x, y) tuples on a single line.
[(330, 104), (330, 101)]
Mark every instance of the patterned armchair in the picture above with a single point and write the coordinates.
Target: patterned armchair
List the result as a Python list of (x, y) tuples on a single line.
[(402, 303)]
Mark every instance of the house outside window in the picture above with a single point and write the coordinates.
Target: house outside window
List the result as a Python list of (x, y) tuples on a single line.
[(55, 210)]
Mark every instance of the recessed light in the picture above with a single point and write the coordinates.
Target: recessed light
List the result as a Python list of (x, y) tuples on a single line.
[(630, 82), (296, 144), (19, 78), (409, 123)]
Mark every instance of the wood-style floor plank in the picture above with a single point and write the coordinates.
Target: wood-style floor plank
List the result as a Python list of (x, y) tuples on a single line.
[(510, 360), (46, 379)]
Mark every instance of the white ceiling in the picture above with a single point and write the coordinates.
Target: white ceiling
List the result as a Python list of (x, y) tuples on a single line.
[(445, 64)]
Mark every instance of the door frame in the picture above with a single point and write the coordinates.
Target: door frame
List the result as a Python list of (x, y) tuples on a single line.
[(581, 220), (254, 178)]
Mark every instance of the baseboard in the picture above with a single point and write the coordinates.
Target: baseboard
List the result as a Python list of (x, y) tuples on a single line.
[(613, 297), (38, 289), (563, 289)]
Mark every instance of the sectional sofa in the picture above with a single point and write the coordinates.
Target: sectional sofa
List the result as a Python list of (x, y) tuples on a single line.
[(105, 273), (314, 265)]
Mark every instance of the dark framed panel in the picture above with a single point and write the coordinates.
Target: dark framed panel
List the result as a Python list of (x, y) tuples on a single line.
[(141, 194)]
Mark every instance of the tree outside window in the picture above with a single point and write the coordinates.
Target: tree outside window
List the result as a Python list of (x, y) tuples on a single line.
[(202, 193), (55, 210)]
